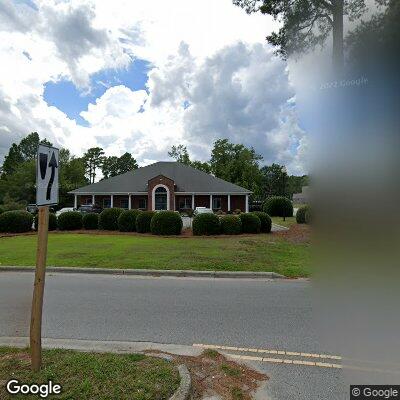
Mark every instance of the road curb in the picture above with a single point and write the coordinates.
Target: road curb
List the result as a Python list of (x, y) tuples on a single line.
[(153, 272), (185, 386)]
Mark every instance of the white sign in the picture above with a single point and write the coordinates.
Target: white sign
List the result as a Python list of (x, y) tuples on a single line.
[(47, 175)]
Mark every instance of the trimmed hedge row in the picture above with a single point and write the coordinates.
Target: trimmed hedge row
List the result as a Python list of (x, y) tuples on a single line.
[(250, 223), (231, 225), (265, 220), (166, 223), (210, 224), (127, 220), (16, 221), (52, 222), (108, 219), (90, 221), (70, 221), (143, 221), (206, 224)]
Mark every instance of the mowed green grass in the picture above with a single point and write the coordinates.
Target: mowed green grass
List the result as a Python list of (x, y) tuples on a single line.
[(92, 376), (288, 222), (264, 252)]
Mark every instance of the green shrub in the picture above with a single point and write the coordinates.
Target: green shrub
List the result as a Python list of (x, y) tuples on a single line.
[(278, 206), (127, 220), (108, 219), (250, 223), (16, 221), (143, 221), (231, 225), (237, 211), (206, 224), (301, 214), (1, 210), (166, 223), (52, 222), (265, 219), (70, 221), (90, 221)]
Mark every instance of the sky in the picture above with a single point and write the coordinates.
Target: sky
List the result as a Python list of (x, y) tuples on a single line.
[(140, 76)]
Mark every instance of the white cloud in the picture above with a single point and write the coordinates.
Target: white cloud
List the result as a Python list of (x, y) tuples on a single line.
[(209, 55)]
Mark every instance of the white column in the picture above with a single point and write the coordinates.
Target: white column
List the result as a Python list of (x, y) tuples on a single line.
[(229, 202), (75, 201), (192, 201), (129, 202), (93, 199), (211, 201), (112, 201), (247, 203)]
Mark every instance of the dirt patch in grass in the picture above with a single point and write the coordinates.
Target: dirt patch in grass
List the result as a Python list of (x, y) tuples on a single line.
[(297, 233), (212, 373)]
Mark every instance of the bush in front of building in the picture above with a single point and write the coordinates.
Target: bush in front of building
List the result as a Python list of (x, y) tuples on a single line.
[(250, 223), (16, 221), (278, 206), (231, 225), (206, 224), (143, 221), (52, 222), (127, 220), (70, 221), (1, 210), (301, 214), (108, 219), (90, 221), (265, 219), (166, 223)]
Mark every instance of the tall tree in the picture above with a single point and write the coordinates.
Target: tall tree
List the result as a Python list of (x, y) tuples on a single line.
[(181, 154), (307, 23), (113, 166), (93, 161), (26, 150), (274, 180), (71, 175), (236, 163)]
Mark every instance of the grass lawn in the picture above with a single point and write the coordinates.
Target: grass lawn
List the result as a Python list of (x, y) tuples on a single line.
[(289, 221), (87, 376), (264, 252)]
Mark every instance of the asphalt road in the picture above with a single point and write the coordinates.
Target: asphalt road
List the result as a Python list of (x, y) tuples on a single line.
[(243, 313)]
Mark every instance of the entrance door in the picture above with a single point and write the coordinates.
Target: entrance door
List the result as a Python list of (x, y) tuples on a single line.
[(161, 199)]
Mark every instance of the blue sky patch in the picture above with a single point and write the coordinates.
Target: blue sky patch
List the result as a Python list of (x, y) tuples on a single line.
[(70, 100)]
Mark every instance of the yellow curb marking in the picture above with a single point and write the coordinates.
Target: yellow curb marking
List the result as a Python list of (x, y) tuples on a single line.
[(268, 351), (284, 361)]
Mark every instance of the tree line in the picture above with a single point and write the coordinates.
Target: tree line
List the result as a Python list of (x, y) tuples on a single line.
[(242, 166), (234, 163)]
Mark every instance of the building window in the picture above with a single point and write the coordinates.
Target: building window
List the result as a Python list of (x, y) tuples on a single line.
[(143, 204), (185, 203), (216, 203), (88, 201), (160, 199), (106, 202), (124, 203)]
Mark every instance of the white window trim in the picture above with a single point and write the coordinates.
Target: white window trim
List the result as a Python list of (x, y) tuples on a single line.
[(153, 196)]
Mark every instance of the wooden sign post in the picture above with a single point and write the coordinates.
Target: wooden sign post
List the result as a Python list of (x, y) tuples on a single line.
[(38, 289), (46, 194)]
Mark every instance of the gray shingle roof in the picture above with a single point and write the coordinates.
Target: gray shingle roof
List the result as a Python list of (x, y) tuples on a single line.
[(187, 179)]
